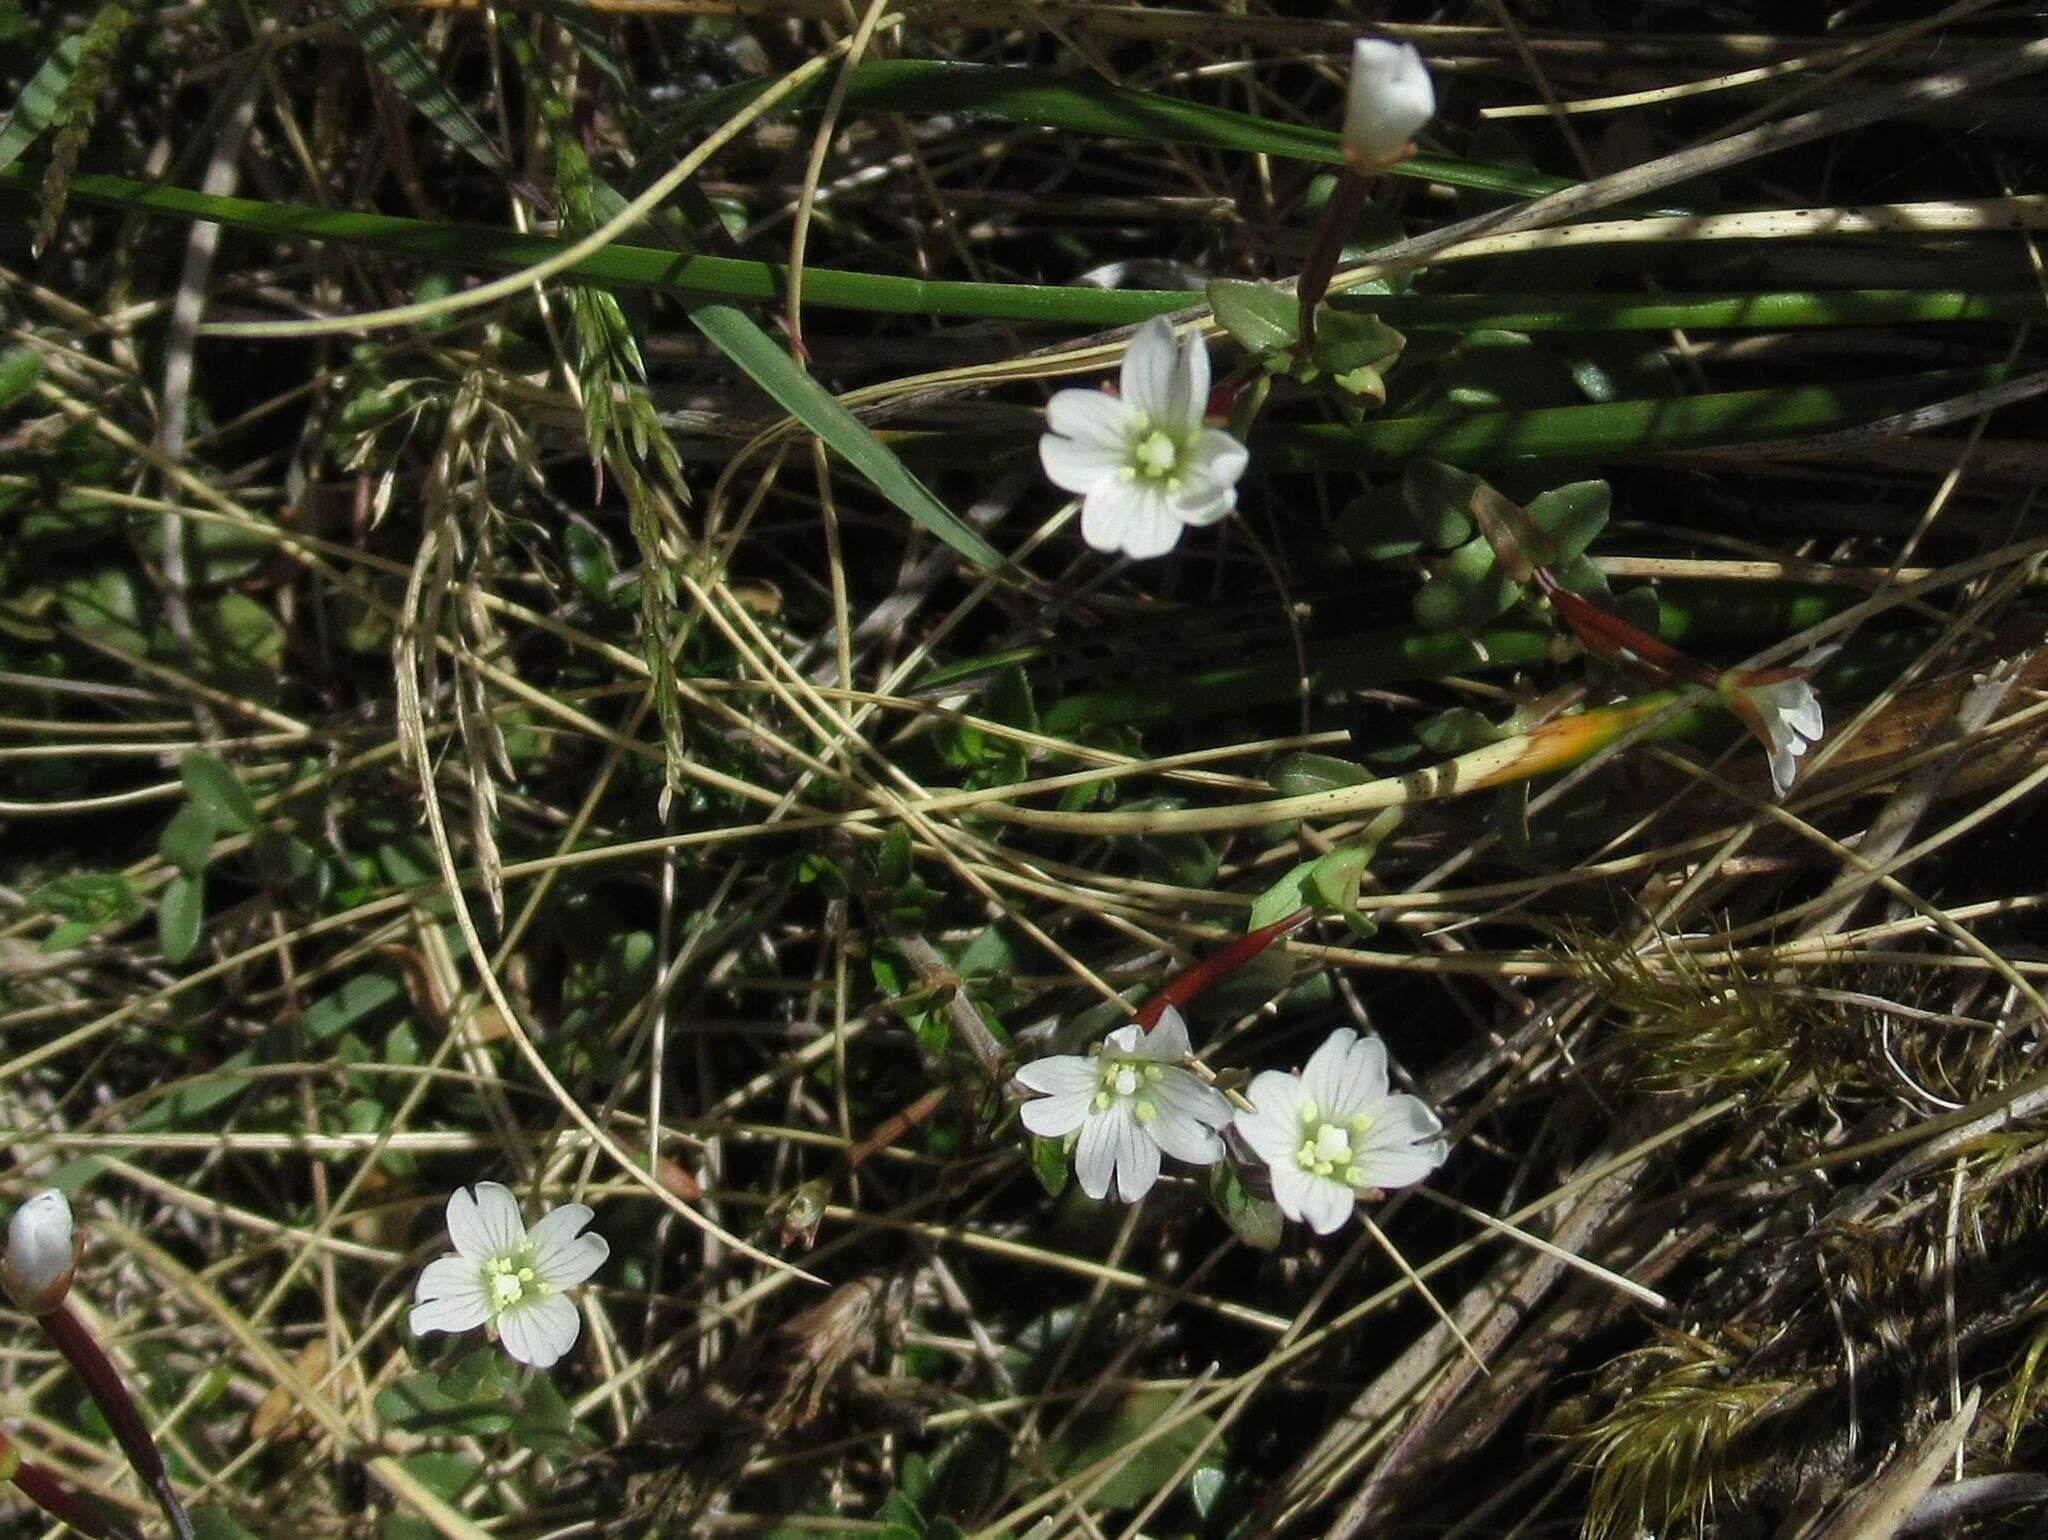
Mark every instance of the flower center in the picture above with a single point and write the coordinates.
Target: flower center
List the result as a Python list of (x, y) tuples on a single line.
[(508, 1280), (1155, 455), (1119, 1079), (1326, 1145)]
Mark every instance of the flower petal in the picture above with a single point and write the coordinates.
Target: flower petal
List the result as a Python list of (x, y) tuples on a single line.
[(1327, 1204), (1108, 511), (1076, 465), (562, 1258), (1183, 1092), (1056, 1116), (1059, 1072), (1364, 1083), (1200, 514), (1150, 363), (1277, 1095), (1137, 1157), (449, 1297), (1095, 1154), (1168, 1040), (1183, 1137), (1272, 1140), (1188, 394), (486, 1224), (1089, 417), (1322, 1078), (540, 1329), (1292, 1188), (1216, 460)]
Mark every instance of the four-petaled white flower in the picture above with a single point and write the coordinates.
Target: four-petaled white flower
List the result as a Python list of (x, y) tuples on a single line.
[(1390, 100), (508, 1277), (40, 1253), (1142, 461), (1130, 1101), (1332, 1132), (1782, 708)]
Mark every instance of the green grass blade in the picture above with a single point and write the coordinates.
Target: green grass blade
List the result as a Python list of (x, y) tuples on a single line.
[(1051, 99), (1612, 428), (497, 250), (36, 108), (735, 334), (394, 53)]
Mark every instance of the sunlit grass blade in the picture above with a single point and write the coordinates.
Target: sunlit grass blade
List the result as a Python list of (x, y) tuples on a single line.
[(393, 51), (735, 334)]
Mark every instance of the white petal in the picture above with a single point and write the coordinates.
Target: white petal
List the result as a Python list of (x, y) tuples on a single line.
[(1168, 1041), (1060, 1072), (1401, 1168), (1804, 713), (1137, 1157), (1185, 1138), (1151, 528), (1201, 514), (561, 1257), (1150, 363), (1403, 1145), (540, 1329), (1188, 396), (1327, 1204), (1126, 1042), (487, 1224), (1270, 1139), (1183, 1092), (1056, 1116), (1784, 766), (1216, 460), (40, 1253), (1107, 512), (449, 1297), (1089, 417), (1277, 1094), (1095, 1154), (1365, 1076), (1322, 1078), (1390, 100), (1075, 465), (1292, 1189)]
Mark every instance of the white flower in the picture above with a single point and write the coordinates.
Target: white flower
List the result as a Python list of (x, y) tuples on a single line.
[(1130, 1101), (1141, 460), (507, 1277), (1390, 101), (1332, 1132), (1780, 706), (40, 1253)]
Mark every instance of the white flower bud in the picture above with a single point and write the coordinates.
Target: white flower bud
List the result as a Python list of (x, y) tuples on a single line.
[(40, 1256), (1391, 100)]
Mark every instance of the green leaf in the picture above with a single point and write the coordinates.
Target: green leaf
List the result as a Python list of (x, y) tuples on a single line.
[(1572, 515), (1466, 591), (1457, 731), (1256, 1221), (218, 1524), (1375, 526), (215, 789), (187, 840), (282, 859), (1336, 877), (20, 370), (1290, 893), (393, 51), (734, 333), (1492, 369), (180, 911), (1261, 317), (1145, 1470), (1438, 501), (892, 861), (1352, 339), (85, 901), (1303, 775)]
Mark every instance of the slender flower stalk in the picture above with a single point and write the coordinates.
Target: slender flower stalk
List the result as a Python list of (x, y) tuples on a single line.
[(55, 1498), (41, 1259)]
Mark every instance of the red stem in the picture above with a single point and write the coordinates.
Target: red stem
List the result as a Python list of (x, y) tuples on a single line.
[(1340, 218), (103, 1383), (1183, 987), (1611, 637), (60, 1502)]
